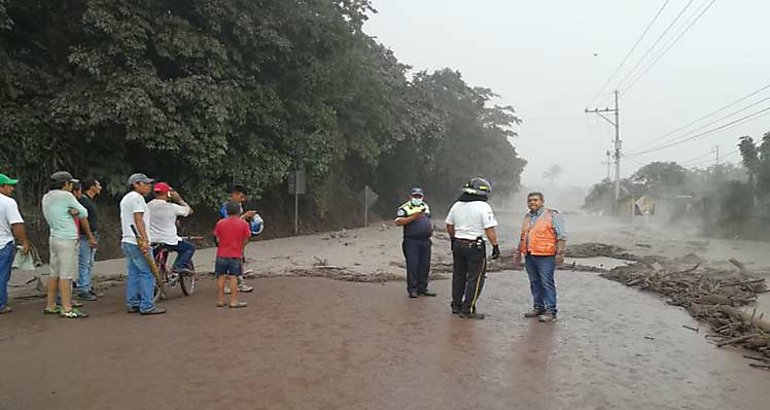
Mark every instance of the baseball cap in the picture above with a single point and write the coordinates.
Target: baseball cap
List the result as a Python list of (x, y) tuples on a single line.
[(162, 187), (417, 191), (139, 177), (63, 176), (4, 180)]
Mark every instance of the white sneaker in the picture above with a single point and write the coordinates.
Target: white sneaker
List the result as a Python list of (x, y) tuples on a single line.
[(244, 288)]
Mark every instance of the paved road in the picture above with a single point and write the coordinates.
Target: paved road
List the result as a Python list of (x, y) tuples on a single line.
[(323, 344)]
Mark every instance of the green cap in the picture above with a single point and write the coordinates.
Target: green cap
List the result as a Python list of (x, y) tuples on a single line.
[(4, 180)]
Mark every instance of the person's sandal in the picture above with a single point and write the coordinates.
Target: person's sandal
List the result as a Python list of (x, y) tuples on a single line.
[(55, 311), (221, 304), (73, 313), (238, 305)]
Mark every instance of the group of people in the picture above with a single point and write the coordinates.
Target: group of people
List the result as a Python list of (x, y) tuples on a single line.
[(471, 224), (149, 215), (144, 223)]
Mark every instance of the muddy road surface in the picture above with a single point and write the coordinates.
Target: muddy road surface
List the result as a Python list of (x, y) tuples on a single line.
[(314, 343)]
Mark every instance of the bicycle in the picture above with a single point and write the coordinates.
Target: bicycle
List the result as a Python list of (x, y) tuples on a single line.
[(170, 279)]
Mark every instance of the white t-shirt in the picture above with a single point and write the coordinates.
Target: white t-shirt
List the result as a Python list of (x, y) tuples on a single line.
[(132, 203), (163, 216), (470, 219), (9, 215)]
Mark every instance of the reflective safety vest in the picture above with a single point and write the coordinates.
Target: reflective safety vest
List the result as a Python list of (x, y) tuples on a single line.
[(421, 228), (538, 239), (410, 209)]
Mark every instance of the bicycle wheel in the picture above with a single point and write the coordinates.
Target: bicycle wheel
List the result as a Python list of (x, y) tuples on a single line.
[(187, 280)]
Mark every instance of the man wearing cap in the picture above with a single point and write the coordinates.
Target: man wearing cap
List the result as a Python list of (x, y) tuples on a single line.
[(140, 282), (11, 225), (167, 206), (414, 216), (59, 208)]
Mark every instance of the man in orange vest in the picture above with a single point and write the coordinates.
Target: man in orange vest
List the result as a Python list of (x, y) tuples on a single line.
[(542, 242)]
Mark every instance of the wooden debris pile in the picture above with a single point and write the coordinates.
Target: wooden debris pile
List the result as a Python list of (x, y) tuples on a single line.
[(717, 297), (594, 249)]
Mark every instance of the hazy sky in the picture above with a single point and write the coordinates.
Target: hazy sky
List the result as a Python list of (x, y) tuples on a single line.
[(540, 57)]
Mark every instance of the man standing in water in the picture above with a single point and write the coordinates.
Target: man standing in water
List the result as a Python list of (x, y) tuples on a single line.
[(470, 224), (543, 240)]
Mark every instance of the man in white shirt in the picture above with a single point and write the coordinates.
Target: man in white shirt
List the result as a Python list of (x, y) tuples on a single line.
[(11, 224), (470, 223), (167, 206), (140, 283)]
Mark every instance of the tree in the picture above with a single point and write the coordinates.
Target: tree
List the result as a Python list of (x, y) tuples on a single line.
[(661, 177), (205, 93), (553, 173)]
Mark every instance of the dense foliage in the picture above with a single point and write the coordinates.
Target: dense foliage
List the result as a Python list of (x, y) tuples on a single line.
[(204, 93), (667, 180)]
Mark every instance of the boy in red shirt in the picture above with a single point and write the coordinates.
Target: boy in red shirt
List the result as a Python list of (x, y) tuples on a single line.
[(233, 234)]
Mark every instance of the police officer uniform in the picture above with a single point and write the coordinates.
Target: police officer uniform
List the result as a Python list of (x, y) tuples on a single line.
[(416, 244), (467, 222)]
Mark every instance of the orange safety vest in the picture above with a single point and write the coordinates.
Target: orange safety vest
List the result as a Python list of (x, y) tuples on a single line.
[(541, 235)]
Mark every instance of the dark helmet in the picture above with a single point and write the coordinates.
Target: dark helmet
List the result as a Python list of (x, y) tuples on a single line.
[(478, 186)]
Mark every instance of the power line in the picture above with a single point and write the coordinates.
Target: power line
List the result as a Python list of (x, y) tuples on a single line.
[(711, 123), (696, 159), (702, 134), (649, 67), (753, 93), (633, 48), (649, 50), (708, 161)]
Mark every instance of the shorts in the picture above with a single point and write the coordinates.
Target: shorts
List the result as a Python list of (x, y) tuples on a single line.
[(228, 266), (64, 257)]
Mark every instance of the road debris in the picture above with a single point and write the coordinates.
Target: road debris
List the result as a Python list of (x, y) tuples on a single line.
[(710, 295)]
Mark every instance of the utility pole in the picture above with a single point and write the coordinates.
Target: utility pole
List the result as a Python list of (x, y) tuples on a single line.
[(608, 163), (618, 143), (717, 152)]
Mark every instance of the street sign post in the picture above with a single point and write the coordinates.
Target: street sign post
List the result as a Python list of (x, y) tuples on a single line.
[(370, 197), (297, 187)]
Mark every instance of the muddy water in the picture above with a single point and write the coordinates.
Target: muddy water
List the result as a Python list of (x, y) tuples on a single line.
[(321, 344)]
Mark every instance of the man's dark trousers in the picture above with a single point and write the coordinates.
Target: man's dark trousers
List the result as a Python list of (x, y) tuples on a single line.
[(417, 254), (468, 275)]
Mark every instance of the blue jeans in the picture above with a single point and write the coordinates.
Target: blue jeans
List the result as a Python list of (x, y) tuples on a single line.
[(228, 266), (541, 282), (184, 254), (140, 282), (86, 255), (6, 261)]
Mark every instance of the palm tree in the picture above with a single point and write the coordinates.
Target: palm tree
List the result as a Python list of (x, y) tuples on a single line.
[(553, 173)]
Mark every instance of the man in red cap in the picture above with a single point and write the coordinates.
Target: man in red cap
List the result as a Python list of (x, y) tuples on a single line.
[(167, 206)]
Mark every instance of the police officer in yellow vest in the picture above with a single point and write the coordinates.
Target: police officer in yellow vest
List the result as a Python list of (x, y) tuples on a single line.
[(414, 216), (542, 243)]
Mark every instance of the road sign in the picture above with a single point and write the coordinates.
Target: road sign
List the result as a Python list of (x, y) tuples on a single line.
[(297, 183)]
